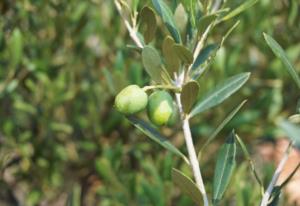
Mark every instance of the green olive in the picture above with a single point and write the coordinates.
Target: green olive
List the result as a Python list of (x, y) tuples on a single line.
[(174, 117), (131, 99), (160, 109)]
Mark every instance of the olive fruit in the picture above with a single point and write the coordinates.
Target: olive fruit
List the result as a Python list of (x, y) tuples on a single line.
[(161, 109), (131, 99)]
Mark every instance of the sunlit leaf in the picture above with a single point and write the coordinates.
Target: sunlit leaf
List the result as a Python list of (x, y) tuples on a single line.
[(16, 47), (152, 63), (292, 131), (247, 4), (220, 93), (279, 52), (166, 14)]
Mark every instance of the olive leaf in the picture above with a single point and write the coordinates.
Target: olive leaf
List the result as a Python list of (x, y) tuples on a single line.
[(187, 186), (247, 4), (204, 54), (219, 94), (183, 53), (148, 21), (292, 131), (189, 95), (220, 127), (16, 47), (152, 63), (171, 59), (205, 21), (155, 135), (224, 168), (279, 52), (166, 14)]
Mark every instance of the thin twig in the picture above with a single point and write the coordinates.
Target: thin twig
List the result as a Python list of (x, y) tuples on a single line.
[(132, 30), (267, 195), (191, 151)]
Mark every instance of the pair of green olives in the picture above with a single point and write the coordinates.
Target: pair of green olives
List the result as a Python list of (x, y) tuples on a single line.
[(161, 109)]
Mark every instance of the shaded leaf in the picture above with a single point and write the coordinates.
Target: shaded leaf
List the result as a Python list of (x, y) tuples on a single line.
[(279, 52), (155, 135), (187, 186), (220, 127), (224, 168), (189, 95), (152, 63), (205, 21), (166, 14), (147, 16), (247, 4), (171, 59), (248, 157), (183, 53), (204, 55), (220, 93)]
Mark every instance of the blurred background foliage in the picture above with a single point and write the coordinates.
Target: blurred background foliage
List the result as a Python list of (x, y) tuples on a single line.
[(62, 142)]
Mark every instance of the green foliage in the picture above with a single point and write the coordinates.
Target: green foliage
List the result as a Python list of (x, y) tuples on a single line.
[(224, 168), (63, 62)]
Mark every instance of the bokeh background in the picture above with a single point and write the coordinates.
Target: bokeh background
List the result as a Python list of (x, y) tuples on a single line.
[(63, 143)]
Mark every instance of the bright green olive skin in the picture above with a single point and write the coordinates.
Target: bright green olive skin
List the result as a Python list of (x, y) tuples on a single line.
[(161, 109), (131, 99), (174, 117)]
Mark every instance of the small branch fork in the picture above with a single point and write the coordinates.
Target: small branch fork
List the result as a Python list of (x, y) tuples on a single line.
[(131, 29)]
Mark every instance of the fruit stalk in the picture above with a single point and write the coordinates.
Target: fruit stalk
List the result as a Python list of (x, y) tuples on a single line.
[(191, 151)]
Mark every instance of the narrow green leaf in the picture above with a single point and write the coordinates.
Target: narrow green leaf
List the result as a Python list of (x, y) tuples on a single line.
[(166, 14), (189, 95), (147, 16), (292, 131), (230, 30), (152, 63), (224, 168), (220, 127), (279, 52), (191, 7), (187, 186), (171, 59), (220, 93), (247, 4), (205, 21), (204, 55), (183, 53), (198, 71), (248, 157), (16, 47), (155, 136)]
